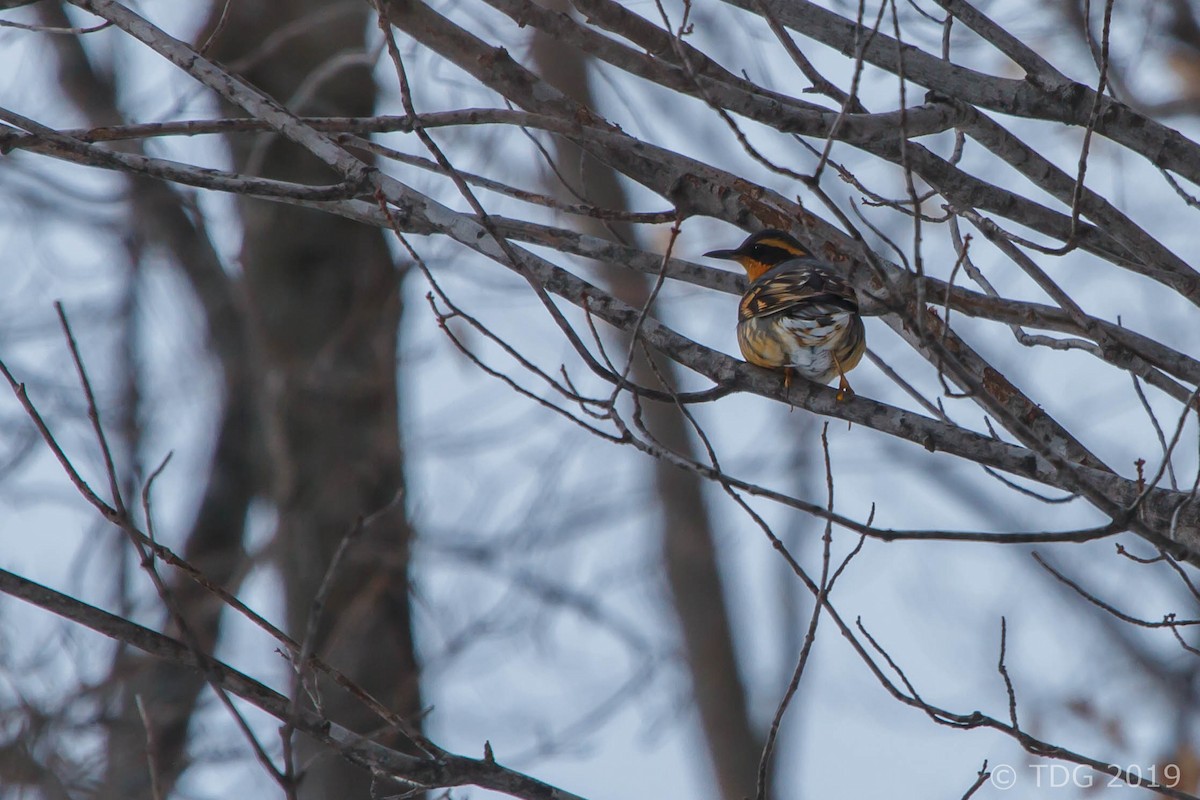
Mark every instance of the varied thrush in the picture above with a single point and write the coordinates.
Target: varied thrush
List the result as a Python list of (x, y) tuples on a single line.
[(797, 314)]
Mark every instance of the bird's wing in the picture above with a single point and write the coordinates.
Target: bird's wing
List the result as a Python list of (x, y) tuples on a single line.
[(802, 289)]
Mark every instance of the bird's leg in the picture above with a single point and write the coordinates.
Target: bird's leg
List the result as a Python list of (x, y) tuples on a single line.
[(787, 387), (843, 384)]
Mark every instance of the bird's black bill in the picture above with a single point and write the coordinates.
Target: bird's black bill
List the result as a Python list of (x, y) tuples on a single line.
[(722, 254)]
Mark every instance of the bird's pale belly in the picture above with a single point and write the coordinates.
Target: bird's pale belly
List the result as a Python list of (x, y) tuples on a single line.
[(807, 346)]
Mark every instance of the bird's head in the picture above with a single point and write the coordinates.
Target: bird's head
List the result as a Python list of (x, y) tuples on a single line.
[(762, 251)]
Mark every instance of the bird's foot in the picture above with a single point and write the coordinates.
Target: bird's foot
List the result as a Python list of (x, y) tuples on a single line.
[(843, 388)]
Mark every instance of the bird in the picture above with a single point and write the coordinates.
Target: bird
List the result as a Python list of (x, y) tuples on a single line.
[(797, 314)]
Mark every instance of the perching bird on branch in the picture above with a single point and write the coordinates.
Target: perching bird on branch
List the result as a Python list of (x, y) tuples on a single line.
[(797, 314)]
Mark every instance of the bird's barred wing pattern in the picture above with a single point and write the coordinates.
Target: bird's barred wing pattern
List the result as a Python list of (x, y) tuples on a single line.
[(803, 289)]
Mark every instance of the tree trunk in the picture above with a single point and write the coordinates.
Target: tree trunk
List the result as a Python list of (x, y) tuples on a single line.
[(326, 306), (694, 583)]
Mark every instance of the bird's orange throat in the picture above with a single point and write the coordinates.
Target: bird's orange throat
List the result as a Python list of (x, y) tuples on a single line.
[(754, 269)]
